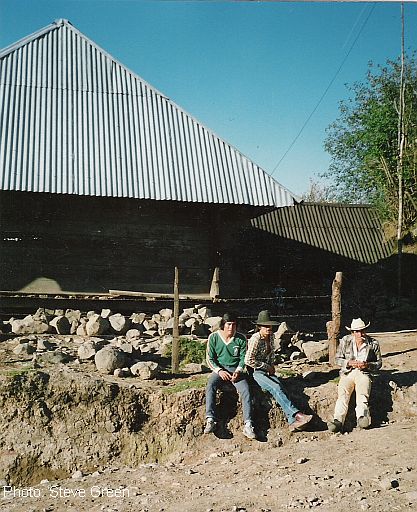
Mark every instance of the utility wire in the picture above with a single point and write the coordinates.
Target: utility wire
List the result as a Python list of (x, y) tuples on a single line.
[(325, 92)]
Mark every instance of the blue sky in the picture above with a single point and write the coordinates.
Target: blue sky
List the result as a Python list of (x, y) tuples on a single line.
[(253, 72)]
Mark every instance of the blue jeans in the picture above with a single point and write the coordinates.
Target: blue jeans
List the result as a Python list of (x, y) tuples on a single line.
[(272, 384), (242, 386)]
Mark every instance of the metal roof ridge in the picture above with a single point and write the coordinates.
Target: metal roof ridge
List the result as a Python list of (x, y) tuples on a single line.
[(276, 188), (337, 205), (31, 37), (27, 39), (64, 22)]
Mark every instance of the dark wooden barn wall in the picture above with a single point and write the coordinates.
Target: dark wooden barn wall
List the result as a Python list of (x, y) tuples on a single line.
[(88, 244), (270, 261)]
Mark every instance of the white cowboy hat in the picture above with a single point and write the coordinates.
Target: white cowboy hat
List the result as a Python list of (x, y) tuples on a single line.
[(357, 325)]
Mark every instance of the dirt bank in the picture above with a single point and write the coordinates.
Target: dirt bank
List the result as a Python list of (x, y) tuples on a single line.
[(139, 446)]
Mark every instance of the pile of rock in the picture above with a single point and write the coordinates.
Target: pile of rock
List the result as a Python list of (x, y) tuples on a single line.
[(114, 355), (118, 345), (125, 346), (290, 345), (197, 321)]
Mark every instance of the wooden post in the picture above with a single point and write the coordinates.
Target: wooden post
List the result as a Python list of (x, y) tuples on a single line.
[(336, 313), (215, 284), (175, 331)]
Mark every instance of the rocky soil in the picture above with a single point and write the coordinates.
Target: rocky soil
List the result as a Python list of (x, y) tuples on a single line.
[(74, 440)]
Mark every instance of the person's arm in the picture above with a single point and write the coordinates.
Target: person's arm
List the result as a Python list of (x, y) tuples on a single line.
[(251, 355), (243, 342), (211, 356), (375, 365), (340, 358)]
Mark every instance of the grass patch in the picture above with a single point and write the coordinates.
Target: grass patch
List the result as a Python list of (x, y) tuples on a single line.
[(286, 373), (17, 372), (198, 383), (190, 351)]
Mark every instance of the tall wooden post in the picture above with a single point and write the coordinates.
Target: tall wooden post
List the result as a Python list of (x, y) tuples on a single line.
[(336, 314), (175, 331)]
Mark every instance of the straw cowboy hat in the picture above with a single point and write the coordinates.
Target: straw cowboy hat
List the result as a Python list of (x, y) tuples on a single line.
[(265, 319), (357, 325)]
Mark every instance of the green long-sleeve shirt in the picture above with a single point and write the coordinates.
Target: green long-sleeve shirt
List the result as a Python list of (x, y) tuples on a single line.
[(220, 353)]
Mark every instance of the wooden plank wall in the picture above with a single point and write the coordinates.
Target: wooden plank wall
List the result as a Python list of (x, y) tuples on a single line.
[(88, 244), (270, 261)]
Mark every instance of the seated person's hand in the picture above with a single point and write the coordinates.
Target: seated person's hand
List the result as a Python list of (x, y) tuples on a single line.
[(225, 375), (236, 376), (361, 365)]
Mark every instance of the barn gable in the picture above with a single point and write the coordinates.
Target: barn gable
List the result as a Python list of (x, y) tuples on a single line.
[(76, 121)]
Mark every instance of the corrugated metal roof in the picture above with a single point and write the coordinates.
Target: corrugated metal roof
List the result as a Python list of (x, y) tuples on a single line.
[(353, 231), (76, 121)]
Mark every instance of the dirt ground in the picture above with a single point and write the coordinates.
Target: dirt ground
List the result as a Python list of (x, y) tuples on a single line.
[(371, 469)]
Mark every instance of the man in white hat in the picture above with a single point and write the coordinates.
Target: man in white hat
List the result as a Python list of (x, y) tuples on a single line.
[(358, 355)]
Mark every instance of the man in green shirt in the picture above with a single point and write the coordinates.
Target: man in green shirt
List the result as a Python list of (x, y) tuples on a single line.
[(225, 355)]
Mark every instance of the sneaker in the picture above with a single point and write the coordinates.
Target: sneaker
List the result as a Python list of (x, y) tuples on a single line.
[(363, 422), (335, 426), (300, 422), (249, 431), (210, 426)]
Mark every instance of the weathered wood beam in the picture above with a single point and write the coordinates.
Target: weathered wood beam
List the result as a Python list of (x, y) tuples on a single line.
[(175, 358), (191, 296)]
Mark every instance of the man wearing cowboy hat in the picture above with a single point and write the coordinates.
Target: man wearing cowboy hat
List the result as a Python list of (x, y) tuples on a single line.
[(358, 355), (260, 358)]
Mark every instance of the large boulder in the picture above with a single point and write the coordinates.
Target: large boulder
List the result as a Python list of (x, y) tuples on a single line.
[(86, 350), (56, 356), (109, 358), (145, 370), (24, 349), (132, 352), (213, 322), (316, 350), (195, 368), (119, 323), (166, 314), (204, 312), (73, 315), (81, 329), (282, 337), (43, 344), (137, 319), (30, 325), (96, 325), (133, 335), (61, 324)]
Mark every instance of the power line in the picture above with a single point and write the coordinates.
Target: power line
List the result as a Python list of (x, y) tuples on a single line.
[(325, 92)]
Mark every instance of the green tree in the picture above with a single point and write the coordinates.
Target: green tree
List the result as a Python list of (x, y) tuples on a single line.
[(319, 192), (363, 143)]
